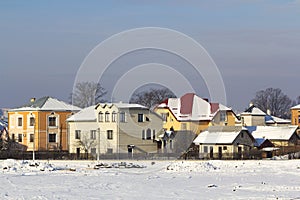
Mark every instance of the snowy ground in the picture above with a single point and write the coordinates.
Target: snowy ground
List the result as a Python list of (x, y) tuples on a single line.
[(263, 179)]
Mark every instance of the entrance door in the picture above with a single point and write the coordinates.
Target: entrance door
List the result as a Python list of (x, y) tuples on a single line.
[(211, 152), (239, 152), (220, 153), (78, 153)]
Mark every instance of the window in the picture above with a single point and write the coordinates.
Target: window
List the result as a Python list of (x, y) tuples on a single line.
[(122, 117), (52, 137), (153, 134), (140, 117), (100, 117), (164, 116), (20, 121), (224, 148), (109, 150), (31, 138), (109, 134), (205, 149), (93, 151), (143, 135), (183, 126), (13, 137), (20, 137), (114, 117), (31, 121), (223, 116), (77, 134), (148, 134), (52, 121), (107, 116), (93, 134)]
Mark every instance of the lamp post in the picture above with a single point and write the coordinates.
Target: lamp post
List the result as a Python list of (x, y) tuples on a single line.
[(98, 154)]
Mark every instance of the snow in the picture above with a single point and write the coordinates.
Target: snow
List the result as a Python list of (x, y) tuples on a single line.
[(273, 132), (251, 179), (86, 114)]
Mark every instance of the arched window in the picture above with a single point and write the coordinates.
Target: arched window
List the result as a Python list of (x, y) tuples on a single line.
[(148, 134), (100, 117), (106, 116)]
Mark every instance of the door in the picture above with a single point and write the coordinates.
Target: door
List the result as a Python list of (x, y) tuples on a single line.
[(220, 153), (211, 152), (78, 153), (239, 152)]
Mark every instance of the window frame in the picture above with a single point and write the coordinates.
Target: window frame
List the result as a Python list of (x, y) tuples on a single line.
[(19, 121), (122, 117), (107, 114), (93, 134), (31, 137), (109, 134), (140, 117), (31, 123), (20, 137), (50, 122), (100, 116), (55, 138), (114, 116), (77, 134)]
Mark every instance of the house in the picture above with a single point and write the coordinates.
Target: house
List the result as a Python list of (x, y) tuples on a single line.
[(295, 115), (40, 125), (192, 113), (114, 129), (279, 136), (224, 142), (253, 116)]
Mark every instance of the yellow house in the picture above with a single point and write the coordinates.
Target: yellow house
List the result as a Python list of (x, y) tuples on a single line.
[(41, 124), (193, 113), (295, 115)]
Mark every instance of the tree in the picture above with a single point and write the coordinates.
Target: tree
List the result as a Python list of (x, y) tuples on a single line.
[(298, 100), (274, 100), (86, 143), (151, 97), (87, 94)]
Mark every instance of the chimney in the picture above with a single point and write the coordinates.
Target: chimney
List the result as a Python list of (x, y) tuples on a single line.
[(251, 104), (269, 112), (32, 100)]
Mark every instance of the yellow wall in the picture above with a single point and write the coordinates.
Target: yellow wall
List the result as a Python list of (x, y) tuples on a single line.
[(295, 117), (195, 126), (40, 130)]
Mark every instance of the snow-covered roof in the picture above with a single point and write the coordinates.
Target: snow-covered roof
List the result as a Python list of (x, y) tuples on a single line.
[(253, 110), (273, 132), (46, 104), (296, 107), (218, 135), (86, 114), (272, 120), (122, 105)]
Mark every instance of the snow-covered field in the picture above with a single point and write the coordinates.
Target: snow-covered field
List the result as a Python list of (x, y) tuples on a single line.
[(255, 179)]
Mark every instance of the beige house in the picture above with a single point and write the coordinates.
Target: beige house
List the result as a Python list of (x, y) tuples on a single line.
[(226, 142), (114, 128), (279, 136)]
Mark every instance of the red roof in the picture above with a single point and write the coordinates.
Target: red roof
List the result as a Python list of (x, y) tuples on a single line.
[(187, 103)]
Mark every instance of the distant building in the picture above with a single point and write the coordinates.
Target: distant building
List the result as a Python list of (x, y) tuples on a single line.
[(254, 116), (113, 128), (41, 124), (192, 113), (221, 142)]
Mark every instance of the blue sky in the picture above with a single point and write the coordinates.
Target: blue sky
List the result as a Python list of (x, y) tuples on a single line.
[(255, 44)]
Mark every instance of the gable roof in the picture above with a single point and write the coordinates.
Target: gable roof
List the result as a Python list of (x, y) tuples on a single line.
[(47, 104), (86, 114), (219, 135), (273, 132), (269, 119), (253, 110), (296, 107), (121, 105)]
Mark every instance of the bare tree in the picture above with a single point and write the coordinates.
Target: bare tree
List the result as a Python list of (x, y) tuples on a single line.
[(298, 100), (86, 143), (87, 94), (274, 100), (151, 97)]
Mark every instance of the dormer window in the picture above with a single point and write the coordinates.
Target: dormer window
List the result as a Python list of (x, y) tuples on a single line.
[(114, 117)]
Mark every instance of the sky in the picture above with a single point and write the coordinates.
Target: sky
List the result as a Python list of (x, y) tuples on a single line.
[(255, 44)]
